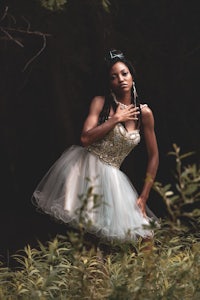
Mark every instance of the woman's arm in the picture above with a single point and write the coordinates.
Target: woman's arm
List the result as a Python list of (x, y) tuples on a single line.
[(92, 131), (153, 156)]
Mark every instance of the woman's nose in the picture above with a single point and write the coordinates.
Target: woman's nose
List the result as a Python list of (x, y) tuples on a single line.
[(120, 78)]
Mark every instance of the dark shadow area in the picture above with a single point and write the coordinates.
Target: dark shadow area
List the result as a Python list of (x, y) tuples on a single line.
[(42, 109)]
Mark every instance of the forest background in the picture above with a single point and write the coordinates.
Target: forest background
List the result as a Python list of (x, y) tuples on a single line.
[(51, 53)]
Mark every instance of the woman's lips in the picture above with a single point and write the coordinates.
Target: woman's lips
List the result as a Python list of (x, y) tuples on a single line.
[(123, 85)]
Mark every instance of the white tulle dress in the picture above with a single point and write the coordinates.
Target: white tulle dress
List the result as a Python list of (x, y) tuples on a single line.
[(85, 185)]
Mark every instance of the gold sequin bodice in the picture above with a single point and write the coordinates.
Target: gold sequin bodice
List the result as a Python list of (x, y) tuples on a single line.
[(115, 145)]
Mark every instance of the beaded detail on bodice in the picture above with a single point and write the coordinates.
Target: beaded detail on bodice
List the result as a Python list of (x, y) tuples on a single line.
[(116, 145)]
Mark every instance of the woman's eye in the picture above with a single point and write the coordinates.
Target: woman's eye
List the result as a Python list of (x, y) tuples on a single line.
[(125, 74), (113, 77)]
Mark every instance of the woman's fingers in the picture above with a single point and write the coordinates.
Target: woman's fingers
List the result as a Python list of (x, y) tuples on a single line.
[(128, 113), (134, 112), (142, 206)]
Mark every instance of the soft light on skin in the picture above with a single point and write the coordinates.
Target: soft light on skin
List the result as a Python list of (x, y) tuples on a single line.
[(121, 80)]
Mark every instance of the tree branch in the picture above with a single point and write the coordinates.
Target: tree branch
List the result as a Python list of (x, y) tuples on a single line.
[(4, 14), (10, 37), (7, 32), (37, 54)]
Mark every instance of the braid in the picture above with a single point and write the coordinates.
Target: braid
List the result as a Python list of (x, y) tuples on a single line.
[(105, 110)]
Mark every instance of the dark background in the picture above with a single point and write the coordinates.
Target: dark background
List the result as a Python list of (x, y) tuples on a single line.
[(43, 107)]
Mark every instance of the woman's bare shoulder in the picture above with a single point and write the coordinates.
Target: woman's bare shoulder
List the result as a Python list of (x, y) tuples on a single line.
[(98, 99), (145, 109), (97, 103), (147, 114)]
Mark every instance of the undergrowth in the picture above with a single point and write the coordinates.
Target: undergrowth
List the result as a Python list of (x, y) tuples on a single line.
[(69, 268)]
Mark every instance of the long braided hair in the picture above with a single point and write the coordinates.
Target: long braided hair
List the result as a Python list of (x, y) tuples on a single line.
[(111, 58)]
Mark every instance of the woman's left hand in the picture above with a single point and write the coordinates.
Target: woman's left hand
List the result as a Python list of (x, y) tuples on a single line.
[(141, 202)]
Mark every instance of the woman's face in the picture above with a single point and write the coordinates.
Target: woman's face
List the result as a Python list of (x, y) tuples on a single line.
[(121, 80)]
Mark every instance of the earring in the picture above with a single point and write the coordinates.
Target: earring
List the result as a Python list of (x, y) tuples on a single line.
[(135, 95)]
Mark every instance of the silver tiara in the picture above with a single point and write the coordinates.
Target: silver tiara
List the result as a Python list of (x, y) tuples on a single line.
[(119, 55)]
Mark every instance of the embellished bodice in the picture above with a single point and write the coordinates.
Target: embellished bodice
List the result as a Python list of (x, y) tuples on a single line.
[(116, 145)]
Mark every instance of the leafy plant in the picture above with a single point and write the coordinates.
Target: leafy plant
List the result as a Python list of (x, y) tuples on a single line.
[(182, 198), (58, 270), (53, 5), (59, 5), (65, 268)]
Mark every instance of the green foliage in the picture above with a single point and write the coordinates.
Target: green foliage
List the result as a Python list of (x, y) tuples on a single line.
[(59, 270), (53, 5), (59, 5), (106, 5), (183, 198), (72, 268)]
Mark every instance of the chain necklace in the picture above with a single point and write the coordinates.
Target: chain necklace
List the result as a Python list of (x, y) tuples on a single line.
[(122, 105)]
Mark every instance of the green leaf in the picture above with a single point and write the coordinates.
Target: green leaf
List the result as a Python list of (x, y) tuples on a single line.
[(186, 155)]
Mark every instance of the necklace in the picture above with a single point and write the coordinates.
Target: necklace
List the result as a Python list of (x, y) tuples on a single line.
[(122, 105)]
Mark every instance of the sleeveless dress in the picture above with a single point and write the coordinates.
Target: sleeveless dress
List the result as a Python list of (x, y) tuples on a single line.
[(85, 185)]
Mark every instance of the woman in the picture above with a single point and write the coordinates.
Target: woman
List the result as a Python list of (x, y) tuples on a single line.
[(85, 184)]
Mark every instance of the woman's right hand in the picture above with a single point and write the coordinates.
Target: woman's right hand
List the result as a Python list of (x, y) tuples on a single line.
[(92, 131), (127, 114)]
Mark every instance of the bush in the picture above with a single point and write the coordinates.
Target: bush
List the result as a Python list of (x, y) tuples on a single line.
[(182, 199), (72, 268)]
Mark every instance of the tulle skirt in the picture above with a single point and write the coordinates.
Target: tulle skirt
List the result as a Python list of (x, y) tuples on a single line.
[(80, 188)]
